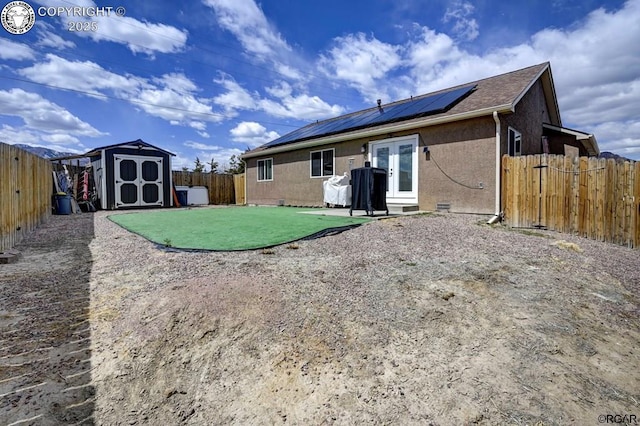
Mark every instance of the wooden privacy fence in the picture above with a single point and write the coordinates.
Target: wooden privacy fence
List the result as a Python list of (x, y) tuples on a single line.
[(220, 186), (25, 193), (595, 198)]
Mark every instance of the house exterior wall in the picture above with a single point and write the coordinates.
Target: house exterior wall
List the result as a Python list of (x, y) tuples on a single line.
[(451, 145), (461, 159), (529, 115), (292, 183)]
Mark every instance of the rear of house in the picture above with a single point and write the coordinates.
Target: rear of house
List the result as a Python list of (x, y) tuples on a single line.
[(440, 150)]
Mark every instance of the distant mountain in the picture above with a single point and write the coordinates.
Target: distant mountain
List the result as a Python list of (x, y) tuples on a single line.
[(44, 152), (618, 158)]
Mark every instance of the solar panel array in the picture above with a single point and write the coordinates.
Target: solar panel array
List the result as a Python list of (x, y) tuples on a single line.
[(413, 108)]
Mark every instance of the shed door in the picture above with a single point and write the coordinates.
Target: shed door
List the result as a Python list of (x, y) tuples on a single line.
[(138, 181)]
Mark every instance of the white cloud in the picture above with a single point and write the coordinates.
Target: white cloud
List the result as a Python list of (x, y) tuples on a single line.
[(252, 134), (61, 139), (85, 76), (362, 62), (174, 99), (261, 41), (202, 146), (177, 107), (177, 82), (138, 36), (171, 97), (289, 72), (48, 38), (302, 107), (236, 97), (465, 27), (622, 137), (12, 50), (43, 115), (59, 142), (246, 21), (13, 135)]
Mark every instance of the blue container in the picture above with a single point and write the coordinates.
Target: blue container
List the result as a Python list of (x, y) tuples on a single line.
[(63, 204), (182, 197)]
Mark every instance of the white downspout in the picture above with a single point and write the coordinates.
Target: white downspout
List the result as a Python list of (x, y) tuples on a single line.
[(498, 214)]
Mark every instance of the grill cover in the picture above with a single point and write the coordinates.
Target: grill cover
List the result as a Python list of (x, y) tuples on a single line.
[(369, 190)]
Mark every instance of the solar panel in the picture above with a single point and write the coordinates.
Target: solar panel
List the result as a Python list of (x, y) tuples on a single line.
[(447, 100), (418, 107), (421, 106), (389, 113), (356, 120), (407, 109)]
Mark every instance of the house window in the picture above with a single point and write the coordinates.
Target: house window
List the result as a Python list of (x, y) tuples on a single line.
[(265, 169), (515, 143), (322, 163)]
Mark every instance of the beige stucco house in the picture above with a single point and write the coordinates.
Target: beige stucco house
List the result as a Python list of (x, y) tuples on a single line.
[(441, 150)]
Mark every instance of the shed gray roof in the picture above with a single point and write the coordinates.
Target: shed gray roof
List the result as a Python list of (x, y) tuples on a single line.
[(137, 143)]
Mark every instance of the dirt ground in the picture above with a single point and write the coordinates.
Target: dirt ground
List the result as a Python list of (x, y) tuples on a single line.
[(429, 319)]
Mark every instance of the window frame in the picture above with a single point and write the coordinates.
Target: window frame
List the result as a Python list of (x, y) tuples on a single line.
[(264, 160), (511, 145), (322, 163)]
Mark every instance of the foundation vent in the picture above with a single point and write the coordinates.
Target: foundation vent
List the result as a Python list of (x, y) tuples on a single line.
[(443, 206)]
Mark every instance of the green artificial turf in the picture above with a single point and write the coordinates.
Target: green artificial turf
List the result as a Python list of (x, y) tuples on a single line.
[(232, 228)]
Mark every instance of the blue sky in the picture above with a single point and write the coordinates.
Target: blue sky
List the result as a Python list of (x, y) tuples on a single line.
[(212, 78)]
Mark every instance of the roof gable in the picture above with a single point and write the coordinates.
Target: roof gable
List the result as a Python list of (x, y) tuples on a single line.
[(498, 93)]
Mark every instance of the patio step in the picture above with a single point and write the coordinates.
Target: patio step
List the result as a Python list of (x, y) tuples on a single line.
[(402, 208)]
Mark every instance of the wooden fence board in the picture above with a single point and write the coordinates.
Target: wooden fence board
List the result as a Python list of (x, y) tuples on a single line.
[(25, 194), (239, 184), (594, 198)]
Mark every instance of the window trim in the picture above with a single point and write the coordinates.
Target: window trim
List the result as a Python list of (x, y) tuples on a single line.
[(518, 137), (322, 175), (264, 160)]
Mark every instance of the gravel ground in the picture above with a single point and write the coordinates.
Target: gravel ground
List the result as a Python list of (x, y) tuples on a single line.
[(429, 319)]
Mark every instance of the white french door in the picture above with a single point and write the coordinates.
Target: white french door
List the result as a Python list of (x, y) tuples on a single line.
[(399, 157)]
